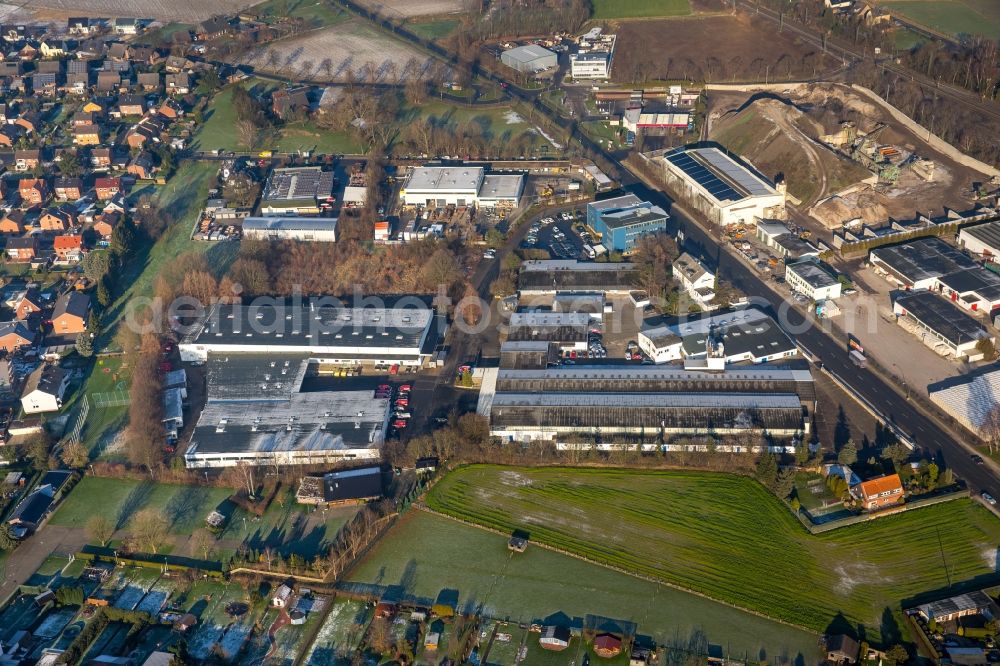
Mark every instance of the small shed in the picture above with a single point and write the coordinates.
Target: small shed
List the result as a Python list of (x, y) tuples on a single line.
[(842, 649), (432, 640), (185, 622), (555, 638), (282, 596), (297, 617), (517, 543), (607, 646)]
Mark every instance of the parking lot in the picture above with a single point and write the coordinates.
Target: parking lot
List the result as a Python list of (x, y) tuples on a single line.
[(563, 236)]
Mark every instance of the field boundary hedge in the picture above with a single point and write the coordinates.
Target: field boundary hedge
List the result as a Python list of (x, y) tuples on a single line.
[(917, 503), (621, 570), (91, 553)]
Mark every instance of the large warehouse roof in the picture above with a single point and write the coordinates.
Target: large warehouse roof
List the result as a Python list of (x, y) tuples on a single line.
[(572, 275), (673, 400), (921, 259), (298, 184), (940, 316), (290, 223), (987, 233), (459, 179), (969, 400), (722, 177), (528, 54)]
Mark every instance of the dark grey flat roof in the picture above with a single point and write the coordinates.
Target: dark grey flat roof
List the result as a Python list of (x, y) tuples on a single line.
[(941, 316), (921, 259), (980, 281), (987, 233)]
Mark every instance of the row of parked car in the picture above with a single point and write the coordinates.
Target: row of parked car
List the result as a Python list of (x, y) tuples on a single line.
[(400, 399)]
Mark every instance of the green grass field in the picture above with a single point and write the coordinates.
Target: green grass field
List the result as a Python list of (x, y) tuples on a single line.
[(727, 537), (315, 14), (119, 499), (615, 9), (425, 554), (953, 17), (434, 29)]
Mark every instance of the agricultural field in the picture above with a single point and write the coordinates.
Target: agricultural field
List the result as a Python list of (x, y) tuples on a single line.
[(425, 554), (184, 506), (163, 10), (351, 47), (437, 29), (952, 17), (719, 49), (626, 9), (410, 8), (653, 524), (340, 634)]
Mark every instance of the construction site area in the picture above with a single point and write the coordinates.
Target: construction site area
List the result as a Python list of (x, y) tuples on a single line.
[(847, 163)]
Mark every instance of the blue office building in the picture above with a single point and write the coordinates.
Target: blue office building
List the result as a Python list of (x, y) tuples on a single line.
[(623, 220)]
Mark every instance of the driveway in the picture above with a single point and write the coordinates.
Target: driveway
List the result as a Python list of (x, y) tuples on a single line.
[(27, 557)]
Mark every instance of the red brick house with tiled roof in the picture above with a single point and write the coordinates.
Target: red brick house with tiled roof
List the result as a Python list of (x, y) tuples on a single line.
[(68, 248), (880, 492), (107, 188), (33, 191)]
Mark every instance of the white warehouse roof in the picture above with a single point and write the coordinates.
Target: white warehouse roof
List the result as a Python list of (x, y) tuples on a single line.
[(968, 400), (434, 178)]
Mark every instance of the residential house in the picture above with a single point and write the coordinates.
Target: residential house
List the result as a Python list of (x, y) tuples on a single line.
[(12, 222), (70, 313), (10, 134), (149, 81), (86, 135), (90, 49), (285, 103), (607, 646), (68, 189), (179, 84), (283, 595), (105, 223), (841, 649), (880, 492), (33, 191), (212, 28), (127, 26), (142, 166), (108, 81), (81, 25), (131, 105), (93, 107), (22, 250), (697, 281), (14, 335), (26, 160), (30, 121), (555, 638), (56, 219), (951, 609), (175, 64), (100, 158), (116, 204), (144, 132), (170, 110), (7, 112), (44, 389), (56, 48), (83, 118), (11, 68), (144, 55), (31, 512), (118, 51), (45, 84), (107, 188), (25, 303), (27, 53), (68, 249)]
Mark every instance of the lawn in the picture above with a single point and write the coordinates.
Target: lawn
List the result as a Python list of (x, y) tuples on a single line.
[(315, 13), (617, 9), (954, 17), (340, 634), (219, 131), (424, 554), (119, 499), (727, 537), (434, 30)]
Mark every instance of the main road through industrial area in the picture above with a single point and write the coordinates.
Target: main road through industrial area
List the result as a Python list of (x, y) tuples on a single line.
[(905, 414)]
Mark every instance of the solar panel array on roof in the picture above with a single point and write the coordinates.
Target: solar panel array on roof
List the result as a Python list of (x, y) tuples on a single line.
[(719, 174)]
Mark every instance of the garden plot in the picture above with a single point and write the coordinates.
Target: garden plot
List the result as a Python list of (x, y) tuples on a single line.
[(288, 639), (187, 11), (411, 8), (156, 597), (54, 623), (217, 628), (331, 54), (340, 634)]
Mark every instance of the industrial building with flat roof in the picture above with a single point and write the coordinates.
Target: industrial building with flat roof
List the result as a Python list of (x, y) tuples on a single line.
[(257, 413), (969, 399), (590, 65), (739, 336), (345, 486), (918, 263), (647, 402), (622, 221), (329, 331), (529, 59), (322, 229), (440, 186), (812, 280), (297, 190), (718, 186), (981, 239), (568, 330), (548, 276), (940, 324)]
